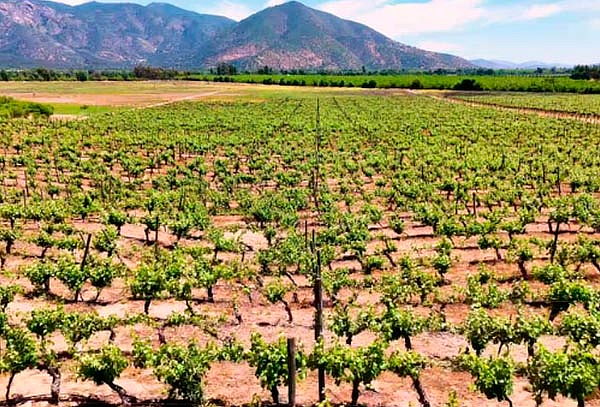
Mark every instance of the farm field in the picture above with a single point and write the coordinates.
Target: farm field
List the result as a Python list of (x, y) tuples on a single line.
[(164, 254), (582, 104), (104, 96)]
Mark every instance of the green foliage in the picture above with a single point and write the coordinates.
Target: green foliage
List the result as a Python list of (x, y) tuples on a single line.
[(485, 295), (7, 295), (397, 224), (347, 321), (479, 329), (77, 327), (573, 374), (182, 368), (207, 275), (71, 274), (19, 353), (468, 84), (270, 362), (102, 272), (396, 323), (44, 322), (336, 280), (106, 240), (528, 329), (11, 108), (551, 273), (563, 294), (494, 377), (352, 365), (104, 367), (116, 218), (39, 274), (442, 263), (148, 283), (275, 291), (581, 328), (463, 174), (406, 364)]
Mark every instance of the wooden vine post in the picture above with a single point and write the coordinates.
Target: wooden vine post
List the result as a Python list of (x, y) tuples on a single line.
[(318, 282), (291, 362), (319, 321)]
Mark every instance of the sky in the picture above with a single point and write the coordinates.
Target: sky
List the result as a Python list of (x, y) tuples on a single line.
[(554, 31)]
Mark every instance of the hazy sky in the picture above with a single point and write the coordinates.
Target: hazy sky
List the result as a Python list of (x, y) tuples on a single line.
[(562, 31)]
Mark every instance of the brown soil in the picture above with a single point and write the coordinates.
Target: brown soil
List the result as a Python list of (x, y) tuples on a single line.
[(235, 384), (143, 100)]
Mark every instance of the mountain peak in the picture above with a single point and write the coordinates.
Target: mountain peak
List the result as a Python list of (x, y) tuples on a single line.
[(292, 5), (295, 36)]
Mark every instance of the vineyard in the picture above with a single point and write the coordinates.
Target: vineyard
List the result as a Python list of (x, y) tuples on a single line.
[(582, 104), (404, 250)]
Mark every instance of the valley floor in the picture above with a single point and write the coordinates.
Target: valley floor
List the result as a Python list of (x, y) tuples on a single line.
[(422, 206)]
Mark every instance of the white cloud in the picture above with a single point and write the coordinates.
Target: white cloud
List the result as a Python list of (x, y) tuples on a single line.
[(541, 11), (234, 10), (398, 19), (237, 10), (580, 5), (408, 18), (594, 23), (273, 3)]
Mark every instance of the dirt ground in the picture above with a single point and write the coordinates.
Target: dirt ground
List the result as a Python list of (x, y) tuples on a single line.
[(147, 93), (235, 384)]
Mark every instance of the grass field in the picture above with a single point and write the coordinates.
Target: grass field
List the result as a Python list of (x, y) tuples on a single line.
[(163, 249)]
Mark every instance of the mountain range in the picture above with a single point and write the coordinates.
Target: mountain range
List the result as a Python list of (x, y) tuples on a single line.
[(497, 64), (119, 35)]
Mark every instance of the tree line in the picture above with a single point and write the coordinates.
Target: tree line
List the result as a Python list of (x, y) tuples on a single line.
[(586, 72), (582, 79)]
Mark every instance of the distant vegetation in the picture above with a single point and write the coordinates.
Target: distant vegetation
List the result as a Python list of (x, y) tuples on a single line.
[(11, 108), (48, 75), (148, 72), (581, 79), (586, 72), (515, 83)]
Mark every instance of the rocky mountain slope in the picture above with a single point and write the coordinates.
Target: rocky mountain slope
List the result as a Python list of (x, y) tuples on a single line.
[(101, 35), (119, 35)]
